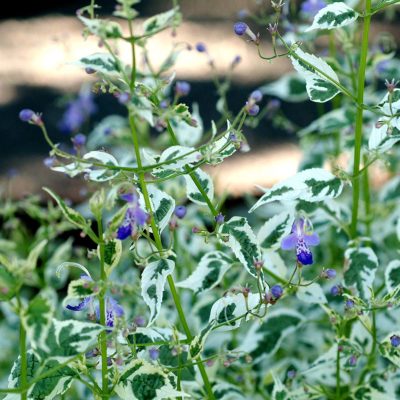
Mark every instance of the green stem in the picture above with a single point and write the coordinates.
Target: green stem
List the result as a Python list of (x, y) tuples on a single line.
[(158, 241), (359, 118), (338, 373), (102, 309), (192, 174), (24, 360), (367, 200)]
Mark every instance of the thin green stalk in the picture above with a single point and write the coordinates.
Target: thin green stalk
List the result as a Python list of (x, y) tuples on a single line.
[(158, 241), (338, 373), (359, 118), (24, 360), (102, 309), (367, 200), (192, 174)]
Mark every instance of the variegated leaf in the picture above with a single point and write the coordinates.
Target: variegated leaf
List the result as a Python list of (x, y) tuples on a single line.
[(334, 15), (321, 79), (360, 273), (141, 380), (312, 185), (242, 241), (193, 193), (392, 275), (274, 230), (209, 272), (153, 282)]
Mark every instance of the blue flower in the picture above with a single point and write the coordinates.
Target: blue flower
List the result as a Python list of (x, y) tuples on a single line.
[(201, 47), (180, 211), (395, 340), (182, 88), (78, 111), (300, 238), (113, 309), (311, 7), (135, 216), (241, 29)]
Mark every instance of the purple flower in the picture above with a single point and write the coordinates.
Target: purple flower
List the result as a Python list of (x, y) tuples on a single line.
[(256, 96), (135, 216), (27, 115), (139, 321), (78, 111), (124, 98), (113, 309), (276, 291), (311, 7), (253, 109), (300, 238), (219, 218), (154, 353), (241, 28), (395, 340), (49, 161), (336, 290), (201, 47), (78, 141), (182, 88), (329, 274), (180, 211), (349, 304), (352, 360)]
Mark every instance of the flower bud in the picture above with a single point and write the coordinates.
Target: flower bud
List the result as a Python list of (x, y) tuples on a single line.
[(276, 291), (182, 88), (241, 28), (219, 219), (201, 47), (180, 211), (395, 340)]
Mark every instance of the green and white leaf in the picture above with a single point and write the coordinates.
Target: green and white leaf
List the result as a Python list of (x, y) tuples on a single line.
[(70, 214), (163, 206), (264, 340), (153, 281), (187, 155), (112, 254), (159, 22), (274, 230), (69, 338), (312, 185), (312, 294), (330, 122), (37, 320), (102, 174), (392, 275), (242, 241), (8, 284), (209, 272), (197, 343), (391, 190), (334, 15), (289, 87), (186, 134), (220, 149), (321, 79), (100, 62), (360, 273), (31, 262), (73, 169), (102, 28), (229, 308), (227, 391), (141, 380), (193, 193), (280, 392), (381, 140), (143, 108), (57, 378)]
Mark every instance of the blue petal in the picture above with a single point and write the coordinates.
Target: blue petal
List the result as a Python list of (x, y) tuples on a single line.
[(81, 306), (304, 255), (289, 242), (311, 239), (124, 231)]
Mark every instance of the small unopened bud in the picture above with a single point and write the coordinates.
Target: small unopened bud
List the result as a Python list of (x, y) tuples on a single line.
[(328, 274), (277, 291), (395, 340), (272, 29), (182, 88), (252, 109), (219, 219), (241, 28), (391, 85), (201, 47), (180, 211), (27, 115), (195, 229)]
